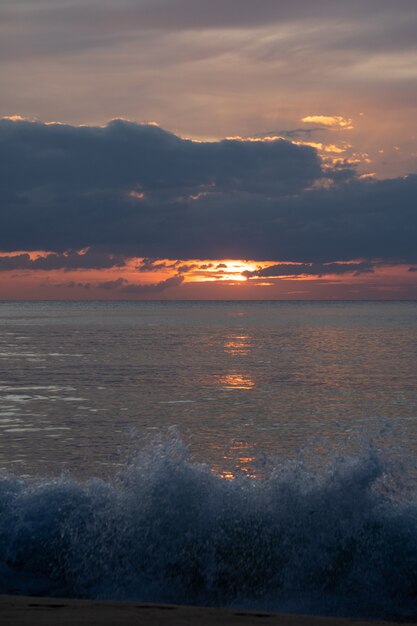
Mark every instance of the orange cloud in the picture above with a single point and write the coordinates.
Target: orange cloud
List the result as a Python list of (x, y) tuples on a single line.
[(333, 121)]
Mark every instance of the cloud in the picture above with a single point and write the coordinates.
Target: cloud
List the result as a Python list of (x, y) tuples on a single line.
[(42, 29), (69, 188), (70, 260), (112, 284), (155, 265), (215, 62), (293, 132), (70, 284), (121, 285), (137, 289), (312, 269), (333, 121), (184, 269), (134, 15), (144, 159)]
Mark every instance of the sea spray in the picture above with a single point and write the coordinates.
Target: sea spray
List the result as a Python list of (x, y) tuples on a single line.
[(336, 540)]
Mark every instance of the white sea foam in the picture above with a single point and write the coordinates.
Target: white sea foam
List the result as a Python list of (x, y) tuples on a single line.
[(341, 540)]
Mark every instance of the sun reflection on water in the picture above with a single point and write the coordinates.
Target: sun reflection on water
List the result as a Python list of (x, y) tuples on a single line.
[(237, 344), (239, 460), (237, 381)]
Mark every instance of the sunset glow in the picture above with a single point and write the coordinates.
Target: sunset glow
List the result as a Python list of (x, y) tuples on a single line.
[(84, 274), (208, 310), (243, 154)]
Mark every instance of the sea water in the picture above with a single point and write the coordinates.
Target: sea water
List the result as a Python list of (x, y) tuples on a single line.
[(254, 454)]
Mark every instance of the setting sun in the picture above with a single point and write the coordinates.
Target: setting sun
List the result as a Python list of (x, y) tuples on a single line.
[(224, 270)]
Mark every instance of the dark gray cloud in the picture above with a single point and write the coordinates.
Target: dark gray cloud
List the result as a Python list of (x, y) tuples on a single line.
[(137, 289), (155, 265), (312, 269), (69, 284), (292, 133), (144, 159), (130, 189), (67, 261), (123, 286), (185, 268), (117, 283)]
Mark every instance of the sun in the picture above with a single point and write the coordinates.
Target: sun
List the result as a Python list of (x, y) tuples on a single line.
[(224, 270)]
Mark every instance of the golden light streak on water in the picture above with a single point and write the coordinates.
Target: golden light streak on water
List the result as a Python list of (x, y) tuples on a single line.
[(237, 381), (237, 344)]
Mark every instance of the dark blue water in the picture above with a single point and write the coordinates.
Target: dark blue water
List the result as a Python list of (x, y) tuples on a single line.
[(288, 482)]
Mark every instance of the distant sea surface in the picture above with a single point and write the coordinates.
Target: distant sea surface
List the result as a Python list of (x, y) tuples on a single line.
[(81, 383), (257, 454)]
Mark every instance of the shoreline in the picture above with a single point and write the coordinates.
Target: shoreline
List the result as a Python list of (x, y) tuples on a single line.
[(25, 610)]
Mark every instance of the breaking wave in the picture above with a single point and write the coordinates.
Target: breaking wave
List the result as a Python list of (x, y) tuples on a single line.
[(340, 540)]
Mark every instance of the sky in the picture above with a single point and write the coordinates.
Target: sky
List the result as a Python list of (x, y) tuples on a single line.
[(175, 149)]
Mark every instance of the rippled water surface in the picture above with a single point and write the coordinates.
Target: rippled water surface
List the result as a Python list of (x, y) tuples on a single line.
[(82, 383)]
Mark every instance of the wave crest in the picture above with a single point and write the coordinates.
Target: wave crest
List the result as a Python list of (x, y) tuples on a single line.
[(340, 540)]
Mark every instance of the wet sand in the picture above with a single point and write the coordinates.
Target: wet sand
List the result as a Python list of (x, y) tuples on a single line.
[(22, 611)]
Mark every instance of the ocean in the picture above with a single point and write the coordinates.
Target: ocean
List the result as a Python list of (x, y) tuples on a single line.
[(252, 454)]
